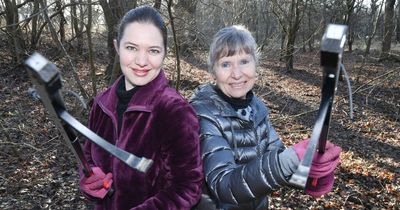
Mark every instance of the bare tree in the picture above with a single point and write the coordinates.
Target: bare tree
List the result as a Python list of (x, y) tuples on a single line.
[(76, 22), (349, 9), (374, 18), (113, 11), (14, 33), (388, 28), (157, 4), (265, 24), (62, 49), (185, 12), (289, 17), (176, 45), (61, 28), (34, 21), (90, 47), (398, 23)]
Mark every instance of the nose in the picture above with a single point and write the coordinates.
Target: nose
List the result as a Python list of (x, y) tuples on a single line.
[(236, 72), (141, 58)]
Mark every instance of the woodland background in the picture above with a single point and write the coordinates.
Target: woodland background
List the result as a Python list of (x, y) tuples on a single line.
[(37, 171)]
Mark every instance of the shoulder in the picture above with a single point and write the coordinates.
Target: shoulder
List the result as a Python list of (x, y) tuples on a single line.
[(170, 98), (102, 96), (171, 104), (206, 102)]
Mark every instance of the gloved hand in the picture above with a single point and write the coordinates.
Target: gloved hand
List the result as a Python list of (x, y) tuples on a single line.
[(321, 177), (97, 184)]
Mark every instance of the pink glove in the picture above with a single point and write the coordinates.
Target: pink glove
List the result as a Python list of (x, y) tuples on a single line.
[(96, 185), (321, 177)]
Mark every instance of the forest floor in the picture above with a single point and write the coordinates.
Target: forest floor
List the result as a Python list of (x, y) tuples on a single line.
[(37, 170)]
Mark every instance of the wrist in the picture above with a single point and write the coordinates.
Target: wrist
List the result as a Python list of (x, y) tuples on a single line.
[(288, 161)]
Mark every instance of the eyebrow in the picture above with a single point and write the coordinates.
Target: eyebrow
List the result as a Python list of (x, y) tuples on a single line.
[(155, 46)]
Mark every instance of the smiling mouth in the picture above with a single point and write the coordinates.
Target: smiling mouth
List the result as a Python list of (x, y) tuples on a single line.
[(140, 73), (237, 84)]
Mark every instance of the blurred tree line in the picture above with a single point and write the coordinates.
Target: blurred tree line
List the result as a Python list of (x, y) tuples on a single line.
[(287, 26)]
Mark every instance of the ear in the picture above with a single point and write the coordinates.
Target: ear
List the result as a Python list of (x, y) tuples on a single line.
[(116, 46)]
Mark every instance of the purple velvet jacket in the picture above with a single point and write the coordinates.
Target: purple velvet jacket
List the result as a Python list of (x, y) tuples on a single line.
[(158, 124)]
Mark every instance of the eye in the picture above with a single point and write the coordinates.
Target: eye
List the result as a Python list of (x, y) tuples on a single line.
[(244, 62), (155, 51), (225, 65), (131, 48)]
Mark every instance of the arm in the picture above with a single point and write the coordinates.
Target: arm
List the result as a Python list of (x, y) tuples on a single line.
[(179, 129), (88, 144), (88, 156)]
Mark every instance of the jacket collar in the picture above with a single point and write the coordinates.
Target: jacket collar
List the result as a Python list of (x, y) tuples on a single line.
[(207, 92), (142, 100)]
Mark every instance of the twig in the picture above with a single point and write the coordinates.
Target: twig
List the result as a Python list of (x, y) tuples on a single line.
[(294, 116), (345, 201), (372, 80), (283, 108), (2, 177), (50, 140), (21, 144), (298, 131)]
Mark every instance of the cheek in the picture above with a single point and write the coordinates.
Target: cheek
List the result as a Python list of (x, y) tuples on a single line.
[(157, 61), (251, 72), (221, 75), (124, 58)]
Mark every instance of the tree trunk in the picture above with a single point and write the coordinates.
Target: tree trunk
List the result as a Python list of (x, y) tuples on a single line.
[(90, 46), (375, 14), (398, 24), (310, 41), (293, 27), (116, 69), (14, 32), (157, 4), (62, 21), (113, 12), (289, 48), (185, 26), (50, 26), (62, 49), (283, 41), (347, 21), (34, 21), (388, 28), (176, 46), (350, 40), (75, 26), (130, 4)]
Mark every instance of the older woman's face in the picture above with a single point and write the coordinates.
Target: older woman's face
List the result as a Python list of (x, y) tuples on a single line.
[(235, 75)]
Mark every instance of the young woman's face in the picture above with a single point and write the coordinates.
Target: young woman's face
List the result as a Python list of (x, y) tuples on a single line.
[(235, 75), (141, 53)]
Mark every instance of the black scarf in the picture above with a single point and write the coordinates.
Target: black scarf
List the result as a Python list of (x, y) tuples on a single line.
[(124, 97), (236, 103)]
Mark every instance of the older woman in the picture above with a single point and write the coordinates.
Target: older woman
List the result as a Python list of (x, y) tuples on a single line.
[(243, 157)]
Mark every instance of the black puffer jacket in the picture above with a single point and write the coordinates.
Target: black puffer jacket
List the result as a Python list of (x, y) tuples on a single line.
[(240, 157)]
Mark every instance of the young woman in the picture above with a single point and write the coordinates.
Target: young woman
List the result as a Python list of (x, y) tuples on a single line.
[(243, 157), (140, 114)]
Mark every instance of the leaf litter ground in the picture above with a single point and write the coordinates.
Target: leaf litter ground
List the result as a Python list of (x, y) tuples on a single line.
[(37, 171)]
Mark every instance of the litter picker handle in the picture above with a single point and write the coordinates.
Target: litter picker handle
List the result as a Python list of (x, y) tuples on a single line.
[(332, 45), (47, 81)]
